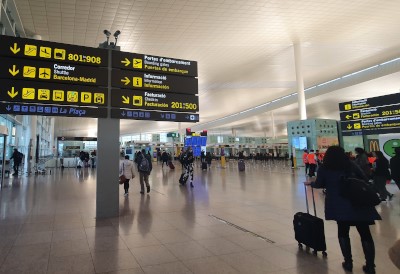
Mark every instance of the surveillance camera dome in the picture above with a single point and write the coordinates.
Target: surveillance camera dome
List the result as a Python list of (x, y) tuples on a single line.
[(106, 32)]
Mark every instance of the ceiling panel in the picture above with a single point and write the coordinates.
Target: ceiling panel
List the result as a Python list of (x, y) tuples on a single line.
[(244, 48)]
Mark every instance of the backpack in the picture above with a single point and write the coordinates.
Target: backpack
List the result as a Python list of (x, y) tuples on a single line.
[(144, 164), (19, 157), (359, 192)]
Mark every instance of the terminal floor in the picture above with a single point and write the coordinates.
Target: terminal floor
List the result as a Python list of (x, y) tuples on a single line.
[(48, 225)]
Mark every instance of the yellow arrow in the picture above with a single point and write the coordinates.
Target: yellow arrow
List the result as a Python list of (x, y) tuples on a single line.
[(126, 81), (15, 49), (349, 127), (14, 70), (125, 99), (12, 94), (126, 62), (348, 116)]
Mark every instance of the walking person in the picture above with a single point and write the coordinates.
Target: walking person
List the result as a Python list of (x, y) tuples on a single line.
[(336, 165), (208, 159), (144, 167), (126, 168), (164, 158), (381, 174), (187, 162), (362, 161), (305, 161), (395, 166), (312, 163), (17, 157)]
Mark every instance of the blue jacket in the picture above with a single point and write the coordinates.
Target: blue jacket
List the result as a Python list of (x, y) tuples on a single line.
[(336, 207)]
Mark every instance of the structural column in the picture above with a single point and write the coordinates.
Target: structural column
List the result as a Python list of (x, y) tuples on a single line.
[(108, 130), (300, 81)]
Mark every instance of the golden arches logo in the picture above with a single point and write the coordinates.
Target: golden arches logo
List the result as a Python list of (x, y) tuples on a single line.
[(373, 145)]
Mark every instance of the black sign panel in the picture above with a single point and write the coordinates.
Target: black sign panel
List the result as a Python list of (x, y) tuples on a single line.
[(368, 113), (153, 82), (50, 51), (150, 63), (136, 99), (154, 115), (63, 138), (372, 124), (13, 68), (370, 102), (51, 93), (52, 110)]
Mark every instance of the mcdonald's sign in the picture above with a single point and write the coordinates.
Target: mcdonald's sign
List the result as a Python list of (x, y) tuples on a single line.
[(373, 145)]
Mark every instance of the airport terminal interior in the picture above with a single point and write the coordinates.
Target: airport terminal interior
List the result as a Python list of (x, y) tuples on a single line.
[(259, 80)]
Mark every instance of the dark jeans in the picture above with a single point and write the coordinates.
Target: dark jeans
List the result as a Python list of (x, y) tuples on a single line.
[(126, 185), (362, 228), (16, 167), (312, 170), (144, 179), (380, 183)]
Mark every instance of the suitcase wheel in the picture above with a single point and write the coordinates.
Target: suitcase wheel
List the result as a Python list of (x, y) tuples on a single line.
[(315, 252), (300, 246), (324, 254)]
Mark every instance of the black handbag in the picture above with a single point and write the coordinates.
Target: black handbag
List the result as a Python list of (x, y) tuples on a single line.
[(122, 178)]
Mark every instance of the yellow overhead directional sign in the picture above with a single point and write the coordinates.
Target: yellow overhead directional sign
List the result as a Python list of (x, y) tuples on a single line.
[(44, 73), (126, 62), (125, 99), (12, 93), (137, 82), (59, 54), (126, 81), (29, 72), (137, 100), (30, 50), (15, 49), (58, 95), (72, 96), (28, 93), (86, 97), (14, 71), (45, 52), (137, 63), (99, 98), (43, 94)]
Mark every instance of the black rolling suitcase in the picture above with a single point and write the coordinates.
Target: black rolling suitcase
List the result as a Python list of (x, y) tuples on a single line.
[(204, 165), (309, 229)]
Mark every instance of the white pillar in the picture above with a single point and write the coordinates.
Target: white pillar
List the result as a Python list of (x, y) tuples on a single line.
[(273, 125), (300, 81)]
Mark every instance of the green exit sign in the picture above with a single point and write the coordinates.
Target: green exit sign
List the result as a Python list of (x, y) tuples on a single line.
[(173, 135)]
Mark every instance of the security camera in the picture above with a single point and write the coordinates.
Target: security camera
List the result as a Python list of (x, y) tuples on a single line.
[(107, 33), (117, 33)]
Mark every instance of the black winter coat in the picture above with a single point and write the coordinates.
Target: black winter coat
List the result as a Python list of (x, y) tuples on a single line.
[(336, 207)]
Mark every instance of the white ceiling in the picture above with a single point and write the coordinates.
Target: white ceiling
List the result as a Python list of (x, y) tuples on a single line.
[(244, 49)]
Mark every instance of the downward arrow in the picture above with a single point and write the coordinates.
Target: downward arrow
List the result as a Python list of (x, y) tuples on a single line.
[(125, 100), (8, 108), (12, 94), (123, 113), (14, 70), (126, 81), (15, 49), (349, 127)]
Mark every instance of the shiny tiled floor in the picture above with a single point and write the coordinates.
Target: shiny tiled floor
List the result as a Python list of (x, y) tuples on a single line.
[(47, 225)]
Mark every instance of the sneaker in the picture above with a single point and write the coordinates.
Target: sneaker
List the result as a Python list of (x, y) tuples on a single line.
[(126, 194), (148, 189)]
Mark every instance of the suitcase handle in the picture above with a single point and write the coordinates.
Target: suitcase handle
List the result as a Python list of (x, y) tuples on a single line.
[(313, 199)]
